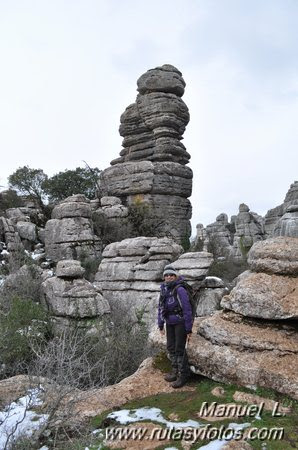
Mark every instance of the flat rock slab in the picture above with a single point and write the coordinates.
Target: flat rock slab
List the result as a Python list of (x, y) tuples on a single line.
[(245, 367), (264, 296), (248, 334), (146, 381)]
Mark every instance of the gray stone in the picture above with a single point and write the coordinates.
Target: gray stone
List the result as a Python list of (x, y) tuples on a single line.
[(194, 265), (71, 236), (151, 168), (264, 296), (275, 225), (275, 255), (69, 268), (209, 300), (10, 236), (74, 298), (110, 201), (27, 230), (74, 206), (131, 272), (162, 79), (229, 349)]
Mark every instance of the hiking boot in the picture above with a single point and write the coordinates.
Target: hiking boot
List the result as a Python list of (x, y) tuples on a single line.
[(181, 381), (171, 376)]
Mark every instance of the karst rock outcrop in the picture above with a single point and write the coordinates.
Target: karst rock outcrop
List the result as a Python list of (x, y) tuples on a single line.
[(151, 169), (234, 238), (283, 219), (130, 272), (71, 299), (69, 233), (254, 339)]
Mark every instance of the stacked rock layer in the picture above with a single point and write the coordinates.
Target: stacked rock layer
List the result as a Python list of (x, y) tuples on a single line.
[(151, 166), (72, 300), (69, 234), (283, 219), (254, 340), (131, 271)]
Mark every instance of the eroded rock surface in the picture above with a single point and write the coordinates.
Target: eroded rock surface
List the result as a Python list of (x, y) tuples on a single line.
[(254, 340), (282, 220), (69, 234), (151, 167), (131, 271), (264, 296), (276, 255), (70, 298)]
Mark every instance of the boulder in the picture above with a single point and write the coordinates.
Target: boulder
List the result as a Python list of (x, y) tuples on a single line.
[(69, 234), (69, 269), (209, 300), (10, 236), (27, 231), (264, 296), (71, 299), (275, 255), (193, 266)]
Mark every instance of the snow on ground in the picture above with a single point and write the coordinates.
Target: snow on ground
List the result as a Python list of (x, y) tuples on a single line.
[(18, 418), (125, 416)]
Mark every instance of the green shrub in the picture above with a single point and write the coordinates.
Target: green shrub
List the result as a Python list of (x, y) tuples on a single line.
[(25, 283), (25, 322)]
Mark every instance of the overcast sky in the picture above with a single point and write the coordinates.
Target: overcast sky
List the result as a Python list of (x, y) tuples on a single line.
[(68, 69)]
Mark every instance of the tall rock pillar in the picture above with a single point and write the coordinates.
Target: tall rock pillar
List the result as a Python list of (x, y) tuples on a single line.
[(151, 168)]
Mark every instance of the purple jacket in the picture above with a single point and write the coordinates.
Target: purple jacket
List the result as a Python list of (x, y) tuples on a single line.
[(167, 309)]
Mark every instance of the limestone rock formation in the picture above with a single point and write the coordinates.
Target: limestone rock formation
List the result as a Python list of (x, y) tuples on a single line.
[(276, 255), (153, 126), (264, 296), (131, 271), (69, 234), (219, 237), (282, 220), (151, 167), (211, 292), (234, 238), (249, 228), (253, 341), (288, 224), (71, 299), (10, 236), (193, 266)]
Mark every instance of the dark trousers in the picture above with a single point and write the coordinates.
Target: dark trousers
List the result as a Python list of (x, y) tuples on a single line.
[(176, 341)]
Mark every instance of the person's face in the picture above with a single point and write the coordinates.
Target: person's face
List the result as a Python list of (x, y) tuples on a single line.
[(170, 277)]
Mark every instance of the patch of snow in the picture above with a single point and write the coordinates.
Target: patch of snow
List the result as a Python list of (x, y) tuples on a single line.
[(4, 252), (36, 256), (213, 278), (19, 420), (125, 416)]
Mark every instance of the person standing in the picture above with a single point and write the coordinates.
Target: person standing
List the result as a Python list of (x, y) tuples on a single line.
[(177, 316)]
